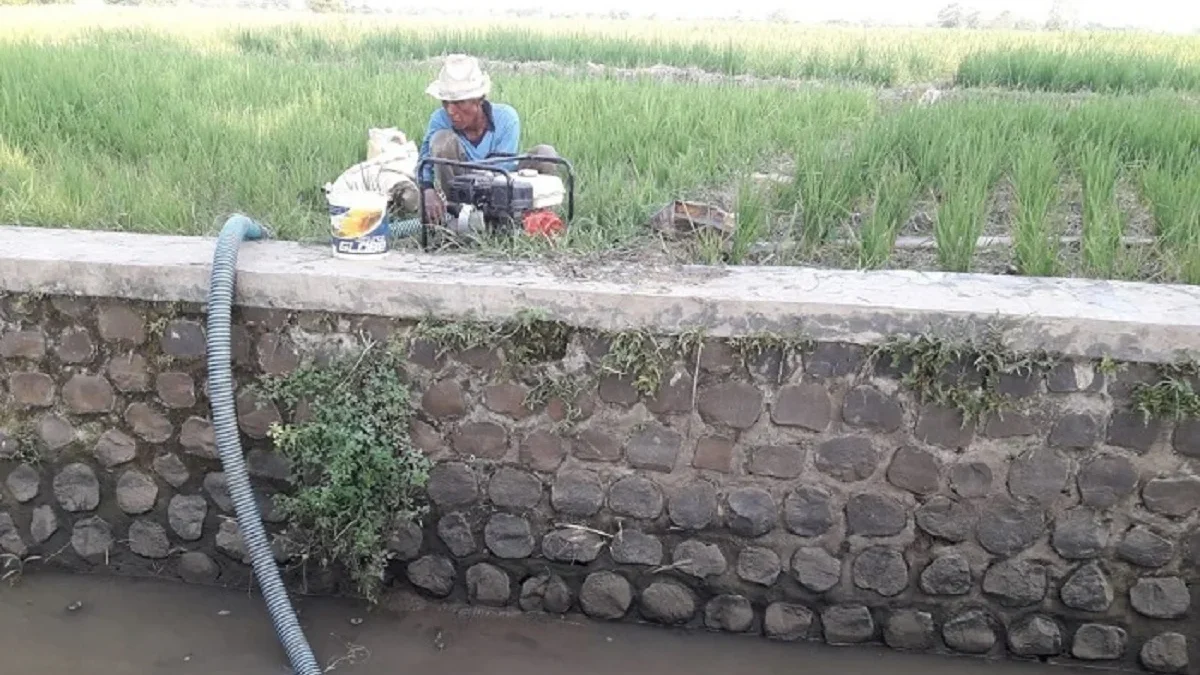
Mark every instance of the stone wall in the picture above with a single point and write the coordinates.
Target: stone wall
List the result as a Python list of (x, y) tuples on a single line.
[(797, 494)]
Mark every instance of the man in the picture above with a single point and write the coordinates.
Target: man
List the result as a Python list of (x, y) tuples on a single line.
[(468, 128)]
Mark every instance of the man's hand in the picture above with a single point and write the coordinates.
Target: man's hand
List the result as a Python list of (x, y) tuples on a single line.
[(434, 208)]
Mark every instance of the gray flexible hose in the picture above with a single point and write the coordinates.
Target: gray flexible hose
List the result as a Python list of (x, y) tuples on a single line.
[(229, 445)]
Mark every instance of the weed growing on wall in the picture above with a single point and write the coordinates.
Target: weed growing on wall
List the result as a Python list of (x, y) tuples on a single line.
[(357, 473), (526, 338), (960, 374), (1173, 397)]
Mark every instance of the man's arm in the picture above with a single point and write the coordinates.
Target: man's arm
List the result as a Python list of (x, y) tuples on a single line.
[(436, 124)]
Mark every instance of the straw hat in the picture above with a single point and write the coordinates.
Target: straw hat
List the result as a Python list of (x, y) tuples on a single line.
[(460, 79)]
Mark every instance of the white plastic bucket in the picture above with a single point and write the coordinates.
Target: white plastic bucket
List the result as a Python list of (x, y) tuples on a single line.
[(358, 224)]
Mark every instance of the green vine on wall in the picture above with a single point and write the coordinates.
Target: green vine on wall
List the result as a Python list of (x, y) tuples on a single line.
[(940, 371), (1173, 396), (356, 471)]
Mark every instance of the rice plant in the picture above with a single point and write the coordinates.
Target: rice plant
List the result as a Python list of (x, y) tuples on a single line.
[(1102, 220), (1037, 241), (895, 190)]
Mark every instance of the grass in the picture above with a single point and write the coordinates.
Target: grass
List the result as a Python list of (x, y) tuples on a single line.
[(168, 126)]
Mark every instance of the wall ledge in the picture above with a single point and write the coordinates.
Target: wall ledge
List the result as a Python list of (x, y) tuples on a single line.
[(1126, 321)]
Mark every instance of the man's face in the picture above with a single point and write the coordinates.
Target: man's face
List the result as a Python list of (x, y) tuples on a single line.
[(464, 114)]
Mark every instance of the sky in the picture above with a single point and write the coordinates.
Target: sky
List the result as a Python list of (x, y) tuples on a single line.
[(1159, 15)]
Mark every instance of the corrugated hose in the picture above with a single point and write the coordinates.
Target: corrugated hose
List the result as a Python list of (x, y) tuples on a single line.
[(229, 446)]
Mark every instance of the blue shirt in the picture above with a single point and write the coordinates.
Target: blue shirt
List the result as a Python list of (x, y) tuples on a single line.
[(501, 137)]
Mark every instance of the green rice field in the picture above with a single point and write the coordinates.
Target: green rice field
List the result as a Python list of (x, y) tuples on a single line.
[(1075, 153)]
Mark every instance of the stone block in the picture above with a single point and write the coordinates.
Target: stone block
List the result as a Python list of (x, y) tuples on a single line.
[(808, 511), (1035, 635), (1105, 480), (788, 622), (136, 492), (848, 459), (882, 570), (31, 390), (636, 497), (569, 545), (444, 399), (92, 539), (1088, 589), (114, 448), (948, 574), (256, 414), (698, 559), (455, 532), (217, 487), (970, 632), (76, 488), (545, 593), (23, 344), (488, 585), (55, 432), (693, 506), (405, 540), (633, 547), (88, 394), (807, 406), (752, 511), (674, 395), (1175, 496), (713, 454), (606, 596), (514, 489), (947, 519), (1009, 424), (1095, 642), (915, 470), (1165, 653), (543, 451), (594, 445), (971, 480), (149, 423), (1076, 431), (909, 630), (618, 390), (758, 565), (432, 574), (867, 407), (719, 357), (668, 603), (508, 399), (75, 346), (654, 448), (129, 373), (577, 492), (120, 323), (1007, 527), (1020, 385), (1144, 547), (875, 515), (452, 484), (835, 359), (508, 536), (730, 613), (733, 404), (277, 355), (1132, 431), (183, 339), (847, 624), (777, 461), (197, 568), (1160, 597), (483, 440), (1186, 439), (1080, 534), (10, 537), (24, 482), (171, 469), (816, 569), (1016, 583), (176, 390), (943, 427), (186, 514), (43, 524), (149, 540)]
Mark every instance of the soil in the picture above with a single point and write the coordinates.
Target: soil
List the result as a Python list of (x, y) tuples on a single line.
[(57, 624)]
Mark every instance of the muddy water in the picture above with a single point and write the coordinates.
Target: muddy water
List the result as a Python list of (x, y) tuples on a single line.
[(54, 624)]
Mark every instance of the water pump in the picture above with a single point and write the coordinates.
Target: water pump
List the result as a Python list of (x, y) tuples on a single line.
[(489, 199)]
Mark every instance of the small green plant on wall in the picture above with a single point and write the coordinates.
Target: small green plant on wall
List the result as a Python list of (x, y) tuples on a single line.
[(356, 472)]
